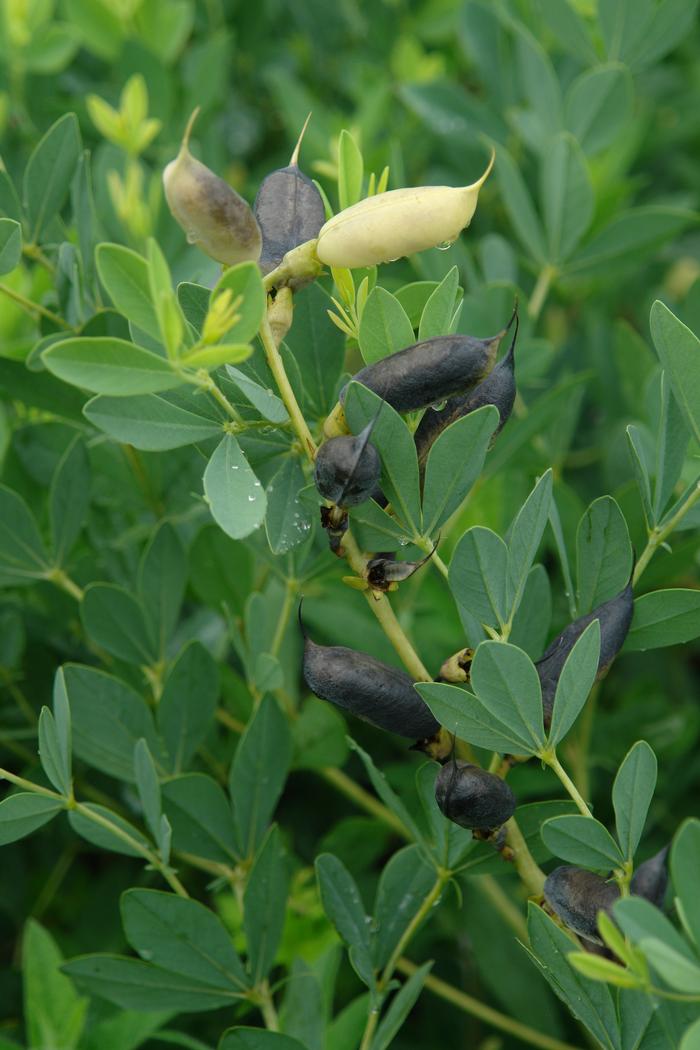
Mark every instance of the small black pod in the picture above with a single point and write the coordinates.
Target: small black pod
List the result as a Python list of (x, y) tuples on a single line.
[(367, 688), (577, 895), (497, 389), (651, 879), (347, 469), (289, 210), (615, 617), (473, 797), (429, 371)]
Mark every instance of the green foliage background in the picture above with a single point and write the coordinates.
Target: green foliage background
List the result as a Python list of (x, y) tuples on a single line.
[(587, 229)]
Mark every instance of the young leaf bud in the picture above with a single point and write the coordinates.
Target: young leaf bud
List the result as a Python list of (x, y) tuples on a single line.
[(429, 371), (367, 688), (289, 210), (497, 389), (472, 797), (210, 211), (651, 878), (615, 617), (577, 895), (347, 469), (390, 225)]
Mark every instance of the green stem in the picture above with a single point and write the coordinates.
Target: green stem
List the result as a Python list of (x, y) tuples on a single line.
[(550, 759), (29, 785), (503, 905), (540, 291), (31, 307), (525, 864), (347, 786), (426, 546), (267, 1009), (63, 580), (487, 1014), (204, 381), (276, 365), (283, 618), (658, 536)]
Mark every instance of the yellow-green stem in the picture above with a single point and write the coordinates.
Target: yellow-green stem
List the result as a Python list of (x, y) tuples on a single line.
[(276, 366), (347, 786), (658, 536), (63, 580), (550, 759), (31, 307), (525, 864), (540, 291)]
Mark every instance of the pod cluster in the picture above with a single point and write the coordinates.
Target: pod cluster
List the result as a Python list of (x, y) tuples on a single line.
[(472, 797)]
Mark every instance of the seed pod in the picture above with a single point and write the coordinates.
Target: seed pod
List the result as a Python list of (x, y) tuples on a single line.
[(457, 668), (651, 878), (497, 389), (210, 211), (390, 225), (367, 688), (615, 617), (577, 895), (347, 469), (385, 570), (472, 797), (429, 371), (289, 210)]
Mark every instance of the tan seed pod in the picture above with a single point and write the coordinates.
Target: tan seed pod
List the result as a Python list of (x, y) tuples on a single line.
[(390, 225), (212, 214)]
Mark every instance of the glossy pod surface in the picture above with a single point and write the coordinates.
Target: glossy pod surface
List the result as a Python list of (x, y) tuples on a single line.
[(347, 469), (289, 211), (367, 688), (577, 895), (473, 797), (650, 879)]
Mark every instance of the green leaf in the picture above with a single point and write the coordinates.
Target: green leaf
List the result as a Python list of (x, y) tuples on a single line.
[(481, 859), (48, 174), (521, 211), (685, 860), (385, 792), (221, 569), (575, 683), (125, 275), (524, 538), (146, 780), (581, 840), (505, 680), (632, 792), (671, 445), (194, 303), (236, 498), (454, 463), (679, 351), (478, 575), (161, 582), (288, 519), (598, 969), (531, 622), (401, 1006), (115, 620), (105, 365), (201, 818), (54, 1012), (265, 904), (538, 79), (567, 197), (182, 936), (603, 554), (54, 752), (244, 280), (10, 245), (186, 709), (258, 773), (23, 813), (639, 920), (673, 967), (404, 884), (394, 442), (257, 1039), (343, 905), (641, 471), (438, 312), (136, 985), (629, 236), (69, 499), (318, 348), (691, 1038), (269, 405), (385, 327), (110, 837), (664, 618), (23, 557), (464, 715), (151, 422), (599, 105), (350, 170), (318, 735)]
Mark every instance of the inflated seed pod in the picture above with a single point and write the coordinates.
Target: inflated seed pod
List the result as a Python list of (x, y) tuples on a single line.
[(212, 214), (429, 371), (577, 895), (615, 617), (367, 688), (390, 225), (347, 469), (497, 389), (289, 210), (472, 797), (651, 878)]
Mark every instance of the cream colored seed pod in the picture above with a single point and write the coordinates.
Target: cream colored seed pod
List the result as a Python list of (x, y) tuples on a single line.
[(212, 214), (400, 222)]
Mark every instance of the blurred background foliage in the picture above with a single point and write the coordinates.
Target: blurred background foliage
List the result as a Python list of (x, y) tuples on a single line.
[(423, 86)]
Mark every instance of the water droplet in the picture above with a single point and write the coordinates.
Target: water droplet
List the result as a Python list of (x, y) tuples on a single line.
[(234, 467), (404, 541), (444, 246), (439, 405), (146, 954), (251, 499), (191, 237)]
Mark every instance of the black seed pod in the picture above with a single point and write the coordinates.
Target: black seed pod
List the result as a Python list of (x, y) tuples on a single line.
[(384, 570), (289, 210), (497, 389), (429, 371), (615, 617), (651, 878), (473, 797), (347, 469), (367, 688), (577, 895)]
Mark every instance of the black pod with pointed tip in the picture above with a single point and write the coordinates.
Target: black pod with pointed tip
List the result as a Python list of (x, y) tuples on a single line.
[(429, 371), (577, 895), (367, 688), (347, 469), (651, 879), (384, 570), (615, 617), (498, 388), (473, 797)]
